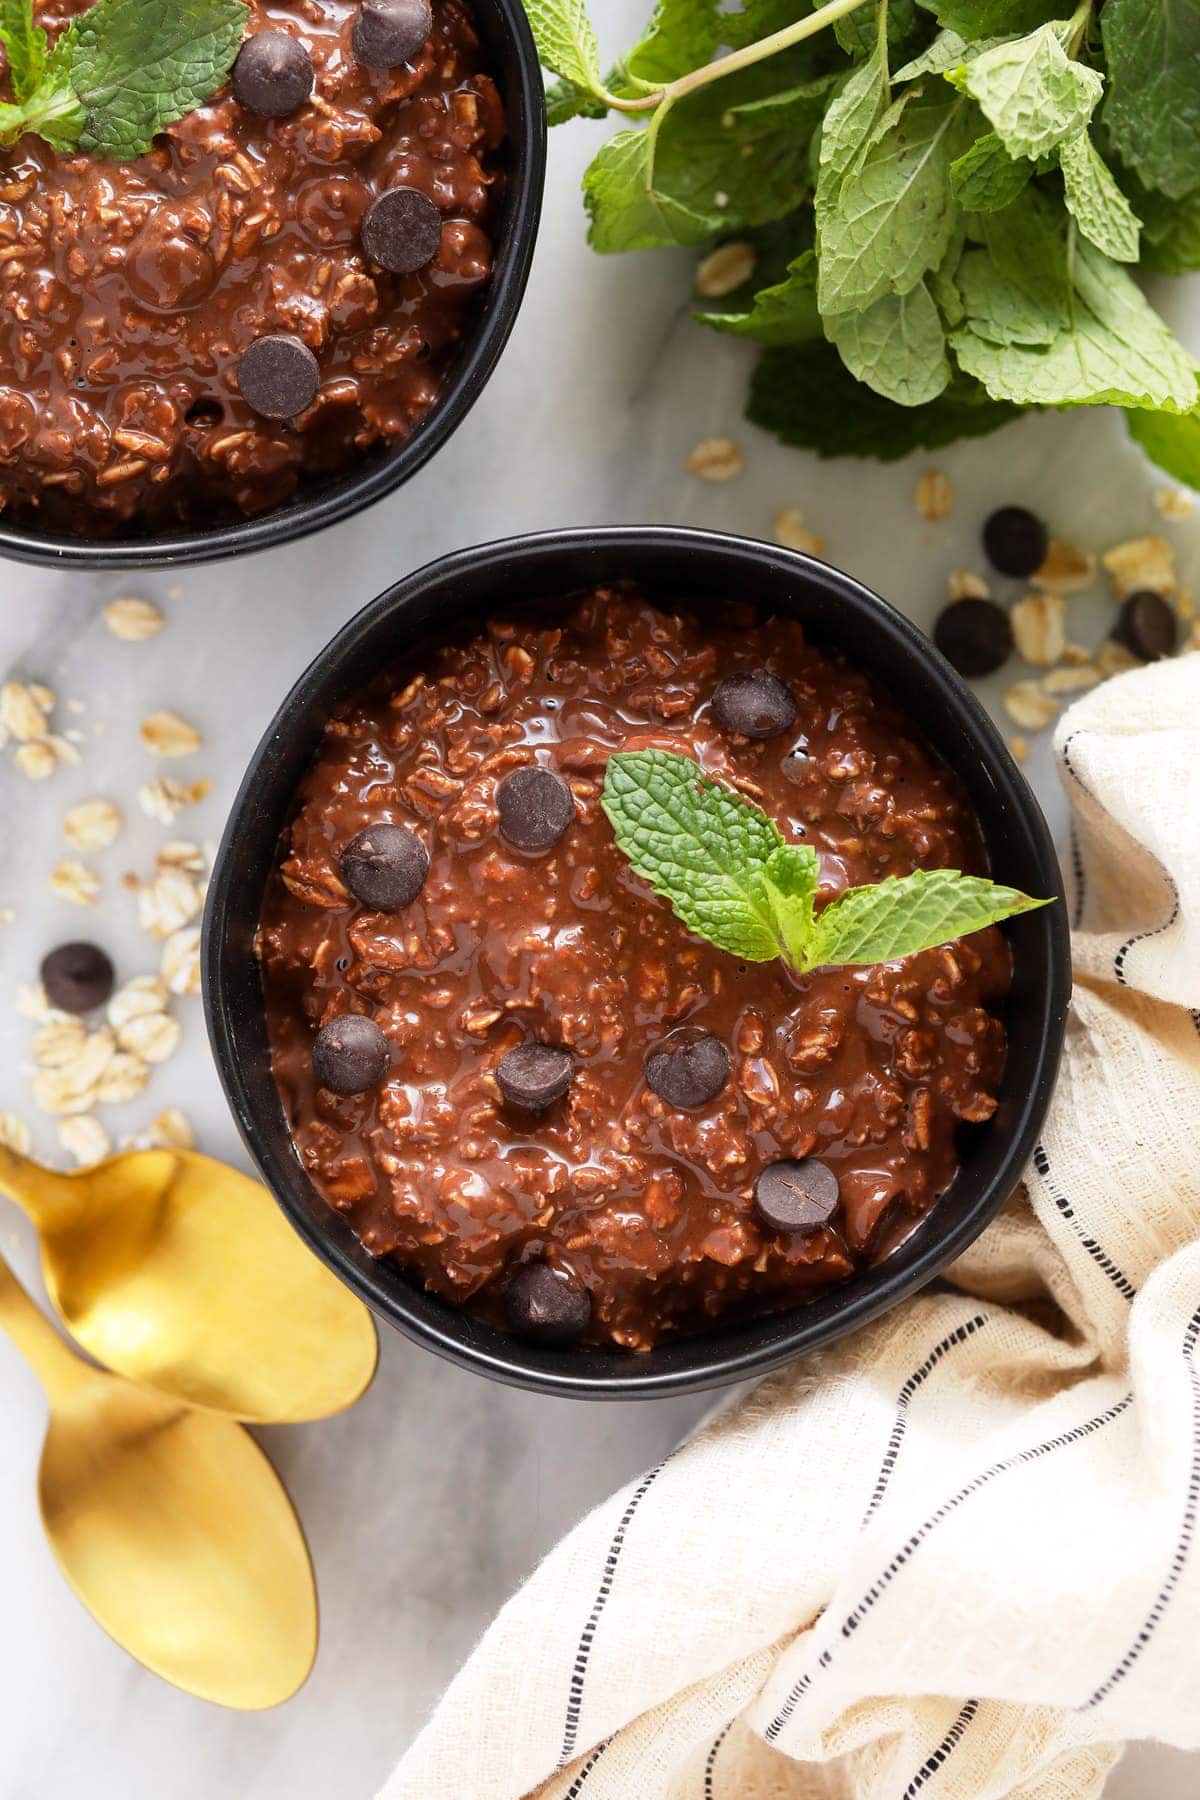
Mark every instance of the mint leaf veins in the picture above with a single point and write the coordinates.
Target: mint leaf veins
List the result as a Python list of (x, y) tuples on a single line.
[(733, 879)]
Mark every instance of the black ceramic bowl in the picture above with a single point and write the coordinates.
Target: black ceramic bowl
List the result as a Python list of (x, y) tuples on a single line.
[(504, 28), (455, 596)]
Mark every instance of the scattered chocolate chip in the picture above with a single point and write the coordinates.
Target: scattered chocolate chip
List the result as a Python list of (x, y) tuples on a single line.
[(390, 32), (278, 376), (273, 74), (1016, 541), (1147, 626), (350, 1054), (77, 978), (754, 703), (385, 867), (974, 636), (544, 1304), (536, 808), (402, 230), (535, 1075), (796, 1196), (689, 1067)]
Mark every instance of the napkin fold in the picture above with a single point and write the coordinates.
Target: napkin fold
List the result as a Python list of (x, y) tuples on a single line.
[(954, 1555)]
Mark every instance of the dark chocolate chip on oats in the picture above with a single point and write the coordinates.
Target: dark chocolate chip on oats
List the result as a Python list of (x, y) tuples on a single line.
[(544, 1304), (385, 867), (755, 704), (535, 1075), (390, 32), (1147, 626), (796, 1196), (76, 978), (974, 636), (689, 1067), (278, 376), (402, 230), (536, 807), (273, 74), (1016, 541), (350, 1054)]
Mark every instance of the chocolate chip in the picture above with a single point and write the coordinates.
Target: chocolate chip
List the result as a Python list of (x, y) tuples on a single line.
[(796, 1196), (535, 1075), (544, 1304), (385, 867), (390, 32), (278, 376), (402, 230), (754, 703), (1147, 626), (689, 1067), (77, 977), (536, 808), (273, 74), (974, 636), (350, 1054), (1016, 541)]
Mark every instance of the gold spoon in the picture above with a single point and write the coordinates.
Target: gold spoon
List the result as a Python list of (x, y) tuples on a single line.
[(170, 1525), (181, 1273)]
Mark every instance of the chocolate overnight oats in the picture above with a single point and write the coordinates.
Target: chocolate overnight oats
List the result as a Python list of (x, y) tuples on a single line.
[(272, 293), (509, 1064)]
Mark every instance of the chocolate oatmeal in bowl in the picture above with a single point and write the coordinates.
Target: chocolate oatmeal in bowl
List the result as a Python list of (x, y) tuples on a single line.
[(283, 302), (520, 1052)]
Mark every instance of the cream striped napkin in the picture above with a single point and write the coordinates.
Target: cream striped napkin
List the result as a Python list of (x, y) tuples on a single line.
[(954, 1556)]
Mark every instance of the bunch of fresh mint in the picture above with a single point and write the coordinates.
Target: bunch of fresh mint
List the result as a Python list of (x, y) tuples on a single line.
[(119, 73), (944, 200), (733, 878)]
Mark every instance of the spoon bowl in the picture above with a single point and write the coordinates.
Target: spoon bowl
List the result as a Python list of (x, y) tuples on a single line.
[(181, 1273)]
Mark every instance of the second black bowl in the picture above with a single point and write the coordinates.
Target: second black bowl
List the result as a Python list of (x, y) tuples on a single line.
[(456, 595)]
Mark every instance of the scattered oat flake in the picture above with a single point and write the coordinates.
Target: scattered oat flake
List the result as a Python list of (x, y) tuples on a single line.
[(93, 824), (151, 1036), (165, 798), (1039, 628), (1067, 568), (1028, 706), (15, 1134), (1173, 503), (1072, 679), (166, 734), (716, 459), (171, 1131), (1114, 659), (1019, 746), (791, 532), (32, 1004), (1185, 605), (64, 750), (72, 1087), (123, 1079), (142, 994), (964, 584), (74, 881), (171, 901), (35, 760), (1141, 565), (132, 619), (181, 961), (934, 495), (59, 1042), (180, 853), (85, 1138), (728, 267), (22, 714)]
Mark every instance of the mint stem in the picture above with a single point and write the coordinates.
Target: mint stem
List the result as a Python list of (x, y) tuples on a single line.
[(738, 59)]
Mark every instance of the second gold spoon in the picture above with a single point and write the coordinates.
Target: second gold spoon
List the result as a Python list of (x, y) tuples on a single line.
[(183, 1274)]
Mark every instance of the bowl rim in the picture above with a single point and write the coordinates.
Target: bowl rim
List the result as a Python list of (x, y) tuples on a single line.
[(797, 1331), (468, 376)]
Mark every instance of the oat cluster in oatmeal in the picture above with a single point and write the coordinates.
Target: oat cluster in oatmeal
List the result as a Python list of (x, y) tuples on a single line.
[(476, 1185), (130, 292)]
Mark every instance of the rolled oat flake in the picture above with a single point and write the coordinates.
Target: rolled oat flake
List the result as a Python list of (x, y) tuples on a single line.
[(796, 1196), (390, 32), (279, 376), (402, 230)]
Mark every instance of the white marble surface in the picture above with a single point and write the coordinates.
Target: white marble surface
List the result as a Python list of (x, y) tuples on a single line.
[(438, 1493)]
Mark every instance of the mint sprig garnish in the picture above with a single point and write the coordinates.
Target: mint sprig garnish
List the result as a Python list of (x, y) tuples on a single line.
[(119, 74), (860, 149), (733, 878)]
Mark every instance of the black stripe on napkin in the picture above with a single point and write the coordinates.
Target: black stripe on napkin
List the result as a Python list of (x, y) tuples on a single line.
[(1122, 1283), (933, 1763), (892, 1454)]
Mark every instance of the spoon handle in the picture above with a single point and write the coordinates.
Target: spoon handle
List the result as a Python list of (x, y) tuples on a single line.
[(47, 1198), (57, 1368)]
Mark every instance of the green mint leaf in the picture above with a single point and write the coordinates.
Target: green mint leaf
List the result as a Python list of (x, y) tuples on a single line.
[(984, 18), (1114, 349), (808, 398), (759, 19), (908, 913), (850, 119), (897, 347), (1172, 440), (792, 874), (566, 101), (1170, 230), (26, 44), (681, 36), (1096, 203), (137, 66), (1008, 312), (908, 28), (785, 313), (942, 282), (629, 208), (986, 178), (699, 845), (566, 42), (949, 50), (893, 214), (1153, 108), (1033, 95)]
